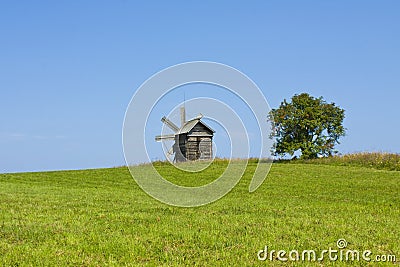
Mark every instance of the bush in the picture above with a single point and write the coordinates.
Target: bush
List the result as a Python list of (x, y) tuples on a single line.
[(378, 160)]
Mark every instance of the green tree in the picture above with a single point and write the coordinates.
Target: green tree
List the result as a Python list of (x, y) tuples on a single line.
[(307, 124)]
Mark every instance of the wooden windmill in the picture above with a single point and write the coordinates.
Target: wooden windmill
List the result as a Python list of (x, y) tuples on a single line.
[(193, 140)]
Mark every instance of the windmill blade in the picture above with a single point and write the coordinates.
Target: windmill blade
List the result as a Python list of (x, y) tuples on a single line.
[(171, 151), (170, 124), (183, 116), (165, 137)]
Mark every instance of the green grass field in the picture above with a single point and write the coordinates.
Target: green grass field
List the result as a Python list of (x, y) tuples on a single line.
[(101, 217)]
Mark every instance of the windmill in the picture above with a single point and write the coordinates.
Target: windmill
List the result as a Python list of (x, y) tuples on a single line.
[(192, 140)]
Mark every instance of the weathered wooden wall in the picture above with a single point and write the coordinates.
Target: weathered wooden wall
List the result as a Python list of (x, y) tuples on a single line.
[(194, 145)]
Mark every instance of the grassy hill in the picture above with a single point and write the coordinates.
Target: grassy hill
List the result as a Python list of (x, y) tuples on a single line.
[(101, 217)]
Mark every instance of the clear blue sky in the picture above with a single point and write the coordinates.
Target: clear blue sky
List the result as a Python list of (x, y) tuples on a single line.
[(69, 68)]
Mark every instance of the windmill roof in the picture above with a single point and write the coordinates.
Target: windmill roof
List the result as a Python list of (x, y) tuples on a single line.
[(191, 123)]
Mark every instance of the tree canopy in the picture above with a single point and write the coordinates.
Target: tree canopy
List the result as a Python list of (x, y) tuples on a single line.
[(308, 124)]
